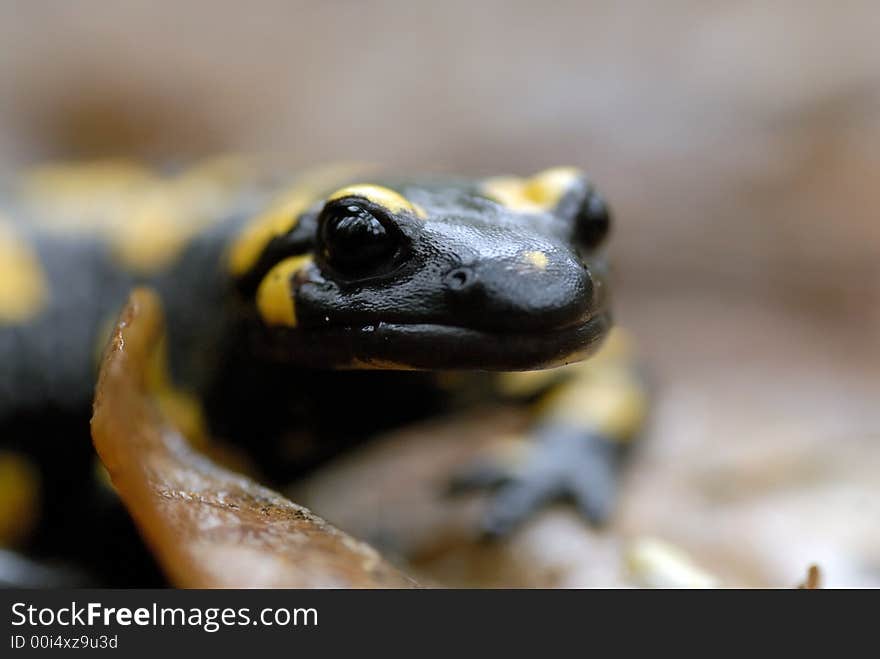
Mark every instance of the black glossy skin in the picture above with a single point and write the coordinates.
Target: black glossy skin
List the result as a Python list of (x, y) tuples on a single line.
[(449, 291), (457, 293), (48, 367)]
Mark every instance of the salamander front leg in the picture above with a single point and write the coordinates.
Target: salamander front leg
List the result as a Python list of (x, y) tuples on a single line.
[(584, 424)]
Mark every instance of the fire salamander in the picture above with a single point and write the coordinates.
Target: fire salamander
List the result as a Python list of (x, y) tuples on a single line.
[(306, 314)]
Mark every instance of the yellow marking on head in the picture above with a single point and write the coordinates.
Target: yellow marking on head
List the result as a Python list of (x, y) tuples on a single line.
[(385, 197), (24, 290), (281, 217), (540, 193), (275, 295), (19, 498), (283, 213), (536, 258)]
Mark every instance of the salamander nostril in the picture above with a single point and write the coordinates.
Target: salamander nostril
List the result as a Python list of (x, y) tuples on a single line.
[(459, 279)]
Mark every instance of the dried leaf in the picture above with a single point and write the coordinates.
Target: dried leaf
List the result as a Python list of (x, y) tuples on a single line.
[(207, 526)]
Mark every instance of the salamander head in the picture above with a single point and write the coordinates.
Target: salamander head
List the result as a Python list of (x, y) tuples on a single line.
[(490, 274)]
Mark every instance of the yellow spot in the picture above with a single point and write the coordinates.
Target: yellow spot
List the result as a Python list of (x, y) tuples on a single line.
[(152, 231), (147, 219), (605, 393), (283, 213), (537, 259), (24, 290), (182, 407), (19, 498), (78, 181), (152, 234), (186, 413), (618, 350), (80, 197), (275, 294), (393, 201), (540, 193), (281, 217)]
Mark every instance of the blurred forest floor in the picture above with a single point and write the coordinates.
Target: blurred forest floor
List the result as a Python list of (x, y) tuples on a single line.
[(762, 458)]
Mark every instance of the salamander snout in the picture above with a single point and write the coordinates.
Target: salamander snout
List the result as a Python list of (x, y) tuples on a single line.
[(525, 291)]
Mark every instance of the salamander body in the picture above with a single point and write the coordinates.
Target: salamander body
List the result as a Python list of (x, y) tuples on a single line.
[(307, 314)]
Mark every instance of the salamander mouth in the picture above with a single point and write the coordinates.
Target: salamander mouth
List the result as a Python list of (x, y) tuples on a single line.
[(431, 346)]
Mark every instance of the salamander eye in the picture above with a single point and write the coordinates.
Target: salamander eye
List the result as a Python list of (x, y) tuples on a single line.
[(355, 240), (593, 221)]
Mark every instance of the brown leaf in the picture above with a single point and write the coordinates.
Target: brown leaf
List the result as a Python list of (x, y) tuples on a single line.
[(207, 526)]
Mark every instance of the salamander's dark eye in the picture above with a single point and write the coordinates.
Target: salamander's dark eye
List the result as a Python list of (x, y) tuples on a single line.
[(355, 240), (593, 221)]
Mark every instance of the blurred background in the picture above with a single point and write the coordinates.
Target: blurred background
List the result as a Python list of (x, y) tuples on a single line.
[(739, 144)]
